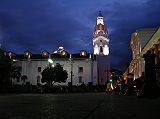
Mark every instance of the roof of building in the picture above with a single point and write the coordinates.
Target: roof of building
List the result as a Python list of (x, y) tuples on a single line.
[(56, 56)]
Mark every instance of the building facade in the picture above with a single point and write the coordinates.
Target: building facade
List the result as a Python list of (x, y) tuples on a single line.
[(83, 67), (141, 41)]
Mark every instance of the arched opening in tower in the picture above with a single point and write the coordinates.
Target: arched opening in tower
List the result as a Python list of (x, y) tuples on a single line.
[(101, 49)]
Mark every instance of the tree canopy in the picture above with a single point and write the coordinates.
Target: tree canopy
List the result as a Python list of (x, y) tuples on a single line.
[(51, 75), (23, 78), (15, 72)]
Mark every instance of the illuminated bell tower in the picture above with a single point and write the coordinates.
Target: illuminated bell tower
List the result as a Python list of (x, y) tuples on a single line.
[(101, 49), (100, 37)]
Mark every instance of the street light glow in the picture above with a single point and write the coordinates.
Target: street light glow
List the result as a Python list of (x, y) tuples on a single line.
[(50, 61), (14, 60), (52, 65)]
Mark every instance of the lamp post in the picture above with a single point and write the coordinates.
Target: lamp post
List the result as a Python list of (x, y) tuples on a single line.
[(71, 74), (90, 59), (71, 60), (50, 62)]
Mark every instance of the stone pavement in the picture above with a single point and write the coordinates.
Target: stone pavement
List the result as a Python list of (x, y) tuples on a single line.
[(77, 106)]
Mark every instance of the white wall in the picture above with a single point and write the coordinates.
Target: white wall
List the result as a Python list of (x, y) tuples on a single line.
[(30, 68)]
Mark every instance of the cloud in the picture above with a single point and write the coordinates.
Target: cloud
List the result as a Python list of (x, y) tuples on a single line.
[(46, 24)]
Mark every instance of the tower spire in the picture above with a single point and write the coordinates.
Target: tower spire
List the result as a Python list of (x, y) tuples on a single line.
[(100, 18), (100, 14), (100, 27)]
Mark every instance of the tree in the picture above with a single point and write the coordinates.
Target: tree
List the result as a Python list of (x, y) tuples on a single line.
[(51, 75), (15, 72), (5, 68), (23, 78)]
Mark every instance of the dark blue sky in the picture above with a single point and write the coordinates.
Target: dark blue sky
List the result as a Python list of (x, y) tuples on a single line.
[(38, 25)]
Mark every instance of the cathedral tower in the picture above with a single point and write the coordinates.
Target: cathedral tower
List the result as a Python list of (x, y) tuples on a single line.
[(101, 49), (100, 37)]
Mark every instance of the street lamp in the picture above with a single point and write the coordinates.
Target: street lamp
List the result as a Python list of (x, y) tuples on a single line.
[(50, 60), (110, 80)]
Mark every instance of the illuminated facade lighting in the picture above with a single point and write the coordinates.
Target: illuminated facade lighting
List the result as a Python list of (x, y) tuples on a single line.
[(45, 53), (26, 53), (14, 60), (83, 53), (63, 53)]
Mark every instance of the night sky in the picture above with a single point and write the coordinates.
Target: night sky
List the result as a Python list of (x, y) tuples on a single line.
[(38, 25)]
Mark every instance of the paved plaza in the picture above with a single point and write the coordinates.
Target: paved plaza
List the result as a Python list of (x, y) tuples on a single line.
[(77, 106)]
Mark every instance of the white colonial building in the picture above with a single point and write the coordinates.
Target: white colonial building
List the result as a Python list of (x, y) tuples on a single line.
[(80, 67)]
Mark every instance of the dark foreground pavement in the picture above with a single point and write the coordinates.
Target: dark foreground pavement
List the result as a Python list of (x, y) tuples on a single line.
[(77, 106)]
